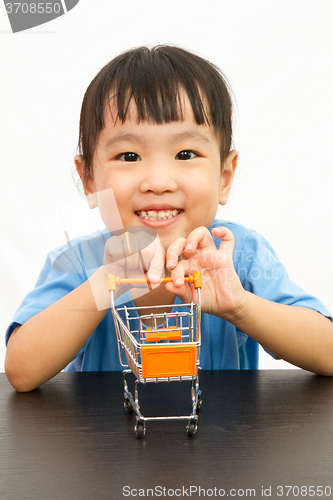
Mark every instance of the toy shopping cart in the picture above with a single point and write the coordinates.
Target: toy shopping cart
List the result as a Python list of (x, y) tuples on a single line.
[(168, 349)]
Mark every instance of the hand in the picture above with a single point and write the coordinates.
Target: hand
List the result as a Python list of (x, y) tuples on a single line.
[(133, 255), (222, 291)]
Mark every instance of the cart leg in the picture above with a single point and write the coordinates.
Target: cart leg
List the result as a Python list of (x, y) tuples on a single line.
[(196, 403), (127, 395), (193, 392), (198, 373), (198, 391), (125, 372), (140, 428), (192, 425), (196, 395), (136, 394)]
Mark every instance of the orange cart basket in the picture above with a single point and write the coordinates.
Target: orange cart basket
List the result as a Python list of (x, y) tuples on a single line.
[(161, 346)]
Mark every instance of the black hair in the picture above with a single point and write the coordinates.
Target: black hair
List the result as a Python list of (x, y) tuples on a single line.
[(153, 79)]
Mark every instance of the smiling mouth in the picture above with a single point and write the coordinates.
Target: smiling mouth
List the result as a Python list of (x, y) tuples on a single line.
[(158, 214)]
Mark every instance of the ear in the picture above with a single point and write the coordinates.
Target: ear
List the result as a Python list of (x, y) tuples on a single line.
[(87, 182), (227, 176)]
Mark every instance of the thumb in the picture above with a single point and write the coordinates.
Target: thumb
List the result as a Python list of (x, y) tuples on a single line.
[(156, 266), (184, 292)]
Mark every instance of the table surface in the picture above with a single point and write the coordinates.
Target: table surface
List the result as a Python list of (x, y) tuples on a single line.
[(258, 430)]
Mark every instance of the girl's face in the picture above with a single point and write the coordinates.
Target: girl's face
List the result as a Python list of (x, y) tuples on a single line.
[(164, 176)]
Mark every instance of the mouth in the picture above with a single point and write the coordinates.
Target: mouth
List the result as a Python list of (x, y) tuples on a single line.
[(158, 215)]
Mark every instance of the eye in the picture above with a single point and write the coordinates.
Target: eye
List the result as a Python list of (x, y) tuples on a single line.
[(186, 155), (129, 157)]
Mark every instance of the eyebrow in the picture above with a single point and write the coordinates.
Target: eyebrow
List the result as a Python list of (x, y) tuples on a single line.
[(191, 134), (123, 137)]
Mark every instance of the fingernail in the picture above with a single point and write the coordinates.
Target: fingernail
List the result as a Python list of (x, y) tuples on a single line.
[(178, 281), (168, 263), (188, 246), (153, 277)]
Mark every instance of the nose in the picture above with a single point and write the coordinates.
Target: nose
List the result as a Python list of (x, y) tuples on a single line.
[(159, 177)]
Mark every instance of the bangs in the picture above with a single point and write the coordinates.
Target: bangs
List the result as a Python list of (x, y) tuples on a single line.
[(155, 86), (155, 81)]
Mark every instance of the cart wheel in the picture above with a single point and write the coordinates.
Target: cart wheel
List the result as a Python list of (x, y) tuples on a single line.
[(128, 406), (139, 430), (199, 402), (191, 428)]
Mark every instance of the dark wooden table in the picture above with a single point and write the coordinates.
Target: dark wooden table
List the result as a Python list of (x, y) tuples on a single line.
[(258, 431)]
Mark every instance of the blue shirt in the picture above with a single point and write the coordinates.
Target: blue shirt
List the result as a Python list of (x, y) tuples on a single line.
[(223, 346)]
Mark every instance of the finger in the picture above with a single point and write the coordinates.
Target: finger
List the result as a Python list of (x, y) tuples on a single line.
[(228, 240), (156, 265), (198, 238), (178, 274), (144, 235), (223, 233), (122, 246), (119, 259), (114, 249), (112, 266), (152, 259), (174, 252), (133, 262), (184, 292)]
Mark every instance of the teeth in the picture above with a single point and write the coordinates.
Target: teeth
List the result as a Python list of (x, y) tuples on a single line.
[(158, 214)]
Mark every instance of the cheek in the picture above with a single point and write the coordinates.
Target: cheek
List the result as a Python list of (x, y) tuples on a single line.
[(206, 200), (208, 189), (108, 208)]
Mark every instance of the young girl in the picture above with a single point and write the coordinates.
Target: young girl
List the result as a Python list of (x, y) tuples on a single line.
[(155, 148)]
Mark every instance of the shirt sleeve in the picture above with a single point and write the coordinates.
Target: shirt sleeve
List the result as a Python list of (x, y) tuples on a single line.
[(51, 285), (261, 273)]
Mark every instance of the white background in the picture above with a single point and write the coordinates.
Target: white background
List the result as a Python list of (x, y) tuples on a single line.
[(277, 55)]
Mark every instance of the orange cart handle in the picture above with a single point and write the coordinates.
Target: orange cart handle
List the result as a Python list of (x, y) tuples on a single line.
[(114, 281)]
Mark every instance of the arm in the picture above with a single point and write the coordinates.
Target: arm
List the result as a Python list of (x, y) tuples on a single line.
[(299, 335), (47, 342)]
